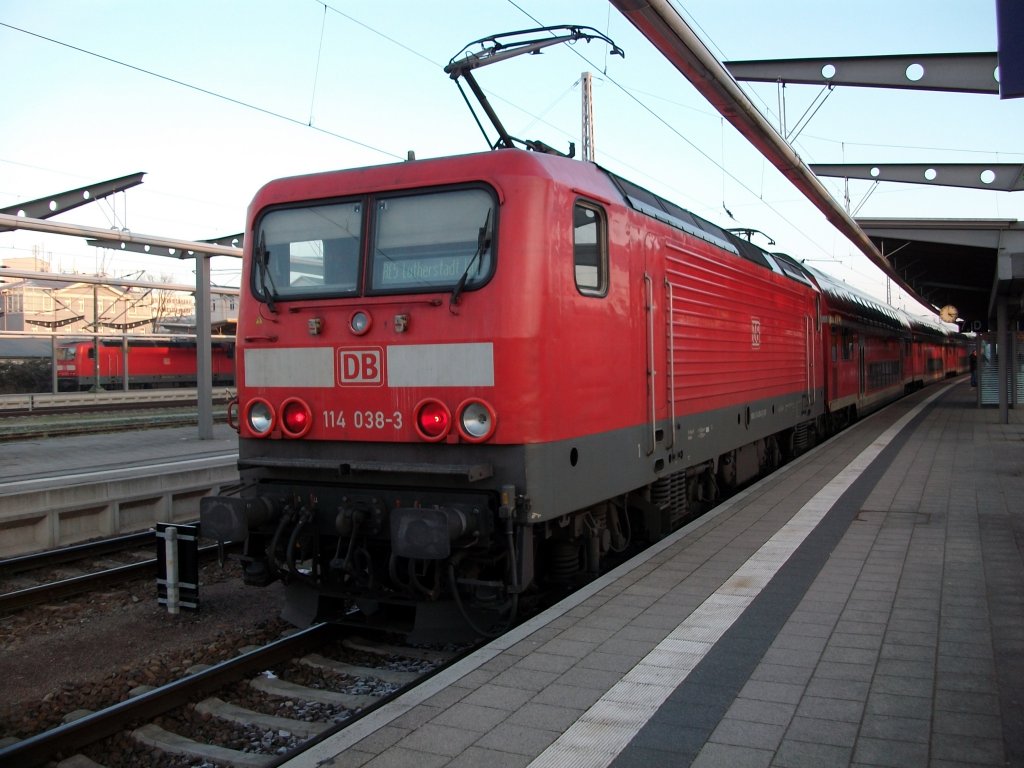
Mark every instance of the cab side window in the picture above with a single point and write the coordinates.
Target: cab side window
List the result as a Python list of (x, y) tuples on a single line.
[(590, 249)]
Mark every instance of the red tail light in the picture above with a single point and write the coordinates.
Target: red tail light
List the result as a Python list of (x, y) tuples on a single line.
[(296, 417), (433, 420)]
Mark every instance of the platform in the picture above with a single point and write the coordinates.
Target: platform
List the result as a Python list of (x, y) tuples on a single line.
[(863, 606), (56, 457), (63, 490)]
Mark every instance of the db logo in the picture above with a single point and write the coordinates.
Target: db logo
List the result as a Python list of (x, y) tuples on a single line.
[(360, 367)]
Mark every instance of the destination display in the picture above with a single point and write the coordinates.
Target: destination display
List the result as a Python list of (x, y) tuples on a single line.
[(441, 271)]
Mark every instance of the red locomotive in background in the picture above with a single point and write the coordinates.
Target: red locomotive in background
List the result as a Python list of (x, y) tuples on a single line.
[(465, 379), (149, 363)]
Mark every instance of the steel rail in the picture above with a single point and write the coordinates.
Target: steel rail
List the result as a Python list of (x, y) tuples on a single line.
[(71, 737), (61, 422), (41, 403), (76, 585), (20, 563)]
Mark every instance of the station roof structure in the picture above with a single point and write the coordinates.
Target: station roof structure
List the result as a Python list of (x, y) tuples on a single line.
[(969, 264), (963, 267), (973, 267)]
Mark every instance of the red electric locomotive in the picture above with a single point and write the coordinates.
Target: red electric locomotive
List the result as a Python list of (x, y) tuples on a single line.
[(464, 379), (149, 363)]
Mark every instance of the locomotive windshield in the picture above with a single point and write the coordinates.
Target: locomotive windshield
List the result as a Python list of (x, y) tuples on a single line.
[(311, 250), (432, 241)]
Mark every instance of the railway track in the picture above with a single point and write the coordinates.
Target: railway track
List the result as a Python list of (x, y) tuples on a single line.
[(83, 557), (24, 417), (91, 549), (254, 711), (64, 424), (83, 402)]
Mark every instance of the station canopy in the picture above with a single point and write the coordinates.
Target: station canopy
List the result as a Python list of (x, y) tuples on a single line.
[(969, 265)]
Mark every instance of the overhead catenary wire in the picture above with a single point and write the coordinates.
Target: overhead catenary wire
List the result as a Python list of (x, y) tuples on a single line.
[(327, 6), (200, 89), (319, 56), (377, 32), (677, 132)]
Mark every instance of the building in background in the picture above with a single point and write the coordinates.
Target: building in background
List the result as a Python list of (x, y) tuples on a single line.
[(71, 306)]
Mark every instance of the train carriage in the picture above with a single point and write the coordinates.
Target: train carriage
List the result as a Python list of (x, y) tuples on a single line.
[(930, 339), (955, 355), (867, 346)]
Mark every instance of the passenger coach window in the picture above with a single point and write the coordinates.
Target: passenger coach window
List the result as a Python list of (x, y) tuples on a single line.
[(590, 249)]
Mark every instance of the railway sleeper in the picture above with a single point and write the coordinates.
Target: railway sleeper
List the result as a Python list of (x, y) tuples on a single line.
[(392, 676), (383, 649), (233, 713), (274, 686), (173, 744)]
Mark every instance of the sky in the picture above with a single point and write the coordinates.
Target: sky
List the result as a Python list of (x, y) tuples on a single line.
[(213, 99)]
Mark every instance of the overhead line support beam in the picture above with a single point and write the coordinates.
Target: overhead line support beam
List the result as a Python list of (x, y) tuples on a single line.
[(954, 72), (1005, 177), (45, 207), (183, 248)]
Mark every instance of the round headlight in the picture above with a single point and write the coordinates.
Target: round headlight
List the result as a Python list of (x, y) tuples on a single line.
[(476, 420), (359, 322), (296, 417), (433, 420), (260, 417)]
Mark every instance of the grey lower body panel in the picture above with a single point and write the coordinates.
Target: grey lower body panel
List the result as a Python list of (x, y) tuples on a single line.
[(555, 478), (573, 474)]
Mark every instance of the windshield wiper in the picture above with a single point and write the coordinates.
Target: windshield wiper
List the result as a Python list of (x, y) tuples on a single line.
[(483, 242), (262, 258)]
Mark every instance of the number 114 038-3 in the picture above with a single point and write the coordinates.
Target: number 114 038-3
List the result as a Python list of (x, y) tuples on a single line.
[(361, 420)]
